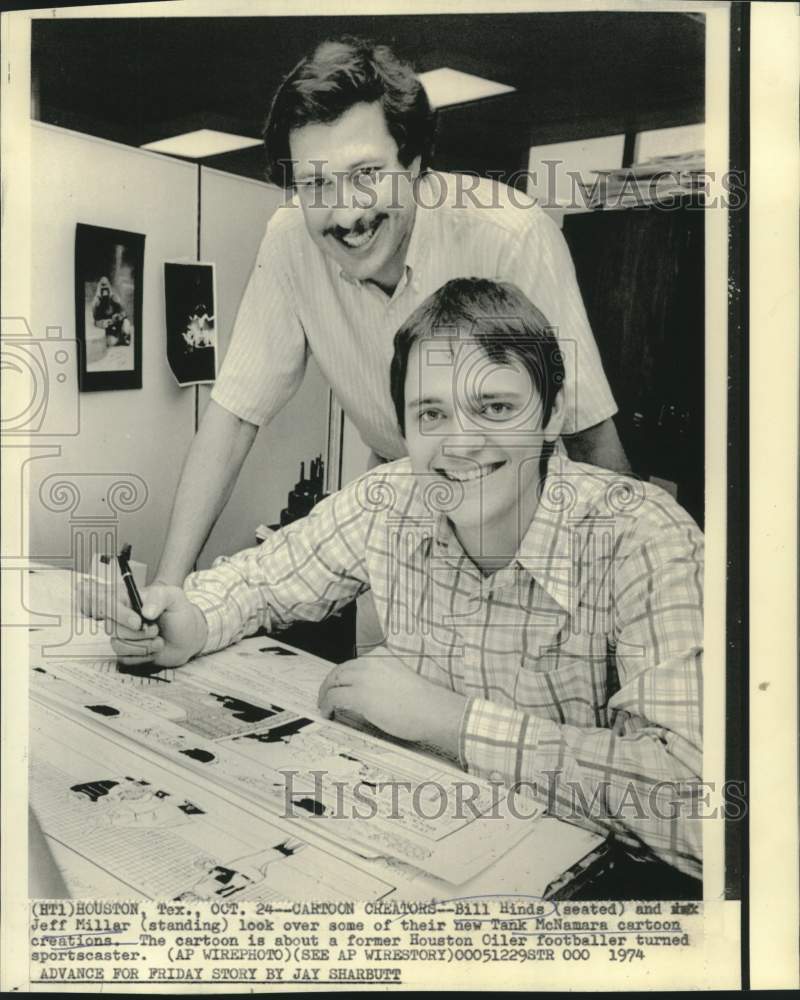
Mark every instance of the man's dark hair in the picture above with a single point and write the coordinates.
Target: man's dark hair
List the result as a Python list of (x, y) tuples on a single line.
[(498, 317), (338, 75)]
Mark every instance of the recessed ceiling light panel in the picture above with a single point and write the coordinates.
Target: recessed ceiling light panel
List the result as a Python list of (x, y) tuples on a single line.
[(447, 86), (202, 143)]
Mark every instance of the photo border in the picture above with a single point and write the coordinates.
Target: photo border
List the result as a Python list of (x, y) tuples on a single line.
[(108, 380), (211, 267)]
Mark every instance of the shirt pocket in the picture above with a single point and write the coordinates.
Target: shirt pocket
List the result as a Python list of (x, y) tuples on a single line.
[(568, 684)]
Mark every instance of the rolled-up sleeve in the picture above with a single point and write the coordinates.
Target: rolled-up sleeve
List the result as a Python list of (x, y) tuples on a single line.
[(266, 359)]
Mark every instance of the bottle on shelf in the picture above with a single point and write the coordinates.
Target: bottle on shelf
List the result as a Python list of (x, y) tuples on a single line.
[(306, 493)]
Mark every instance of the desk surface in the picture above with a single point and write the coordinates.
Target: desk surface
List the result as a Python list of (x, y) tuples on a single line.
[(157, 784)]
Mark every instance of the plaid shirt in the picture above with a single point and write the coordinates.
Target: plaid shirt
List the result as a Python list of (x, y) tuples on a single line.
[(580, 661)]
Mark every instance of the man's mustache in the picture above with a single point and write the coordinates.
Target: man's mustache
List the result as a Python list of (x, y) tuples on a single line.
[(358, 229)]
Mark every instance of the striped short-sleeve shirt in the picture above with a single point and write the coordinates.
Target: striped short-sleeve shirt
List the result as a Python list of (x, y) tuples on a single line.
[(580, 662), (299, 300)]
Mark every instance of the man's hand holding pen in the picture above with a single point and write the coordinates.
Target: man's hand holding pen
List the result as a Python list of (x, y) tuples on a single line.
[(174, 632), (160, 625), (169, 631)]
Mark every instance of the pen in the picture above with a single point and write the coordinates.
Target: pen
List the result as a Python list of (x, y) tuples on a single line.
[(130, 583)]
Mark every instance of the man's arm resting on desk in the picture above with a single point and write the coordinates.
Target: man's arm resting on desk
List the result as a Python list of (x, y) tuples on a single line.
[(598, 445), (641, 776), (643, 782), (212, 467)]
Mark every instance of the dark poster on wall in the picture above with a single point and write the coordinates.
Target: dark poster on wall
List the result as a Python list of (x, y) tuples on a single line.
[(189, 295), (109, 274)]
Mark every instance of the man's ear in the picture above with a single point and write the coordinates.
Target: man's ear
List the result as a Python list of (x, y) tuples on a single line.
[(553, 429)]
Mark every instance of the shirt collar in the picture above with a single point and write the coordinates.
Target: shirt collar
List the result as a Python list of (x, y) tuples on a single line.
[(569, 494), (545, 552)]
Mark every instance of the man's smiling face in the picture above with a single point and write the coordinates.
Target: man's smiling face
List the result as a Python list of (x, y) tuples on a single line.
[(477, 424), (357, 198)]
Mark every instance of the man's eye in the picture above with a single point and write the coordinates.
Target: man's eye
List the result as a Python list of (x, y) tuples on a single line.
[(312, 184), (429, 416), (367, 174), (496, 411)]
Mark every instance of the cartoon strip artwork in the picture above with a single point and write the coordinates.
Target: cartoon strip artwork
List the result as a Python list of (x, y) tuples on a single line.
[(233, 727), (164, 836)]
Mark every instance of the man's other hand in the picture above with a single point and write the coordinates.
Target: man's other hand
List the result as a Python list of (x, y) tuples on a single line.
[(387, 694)]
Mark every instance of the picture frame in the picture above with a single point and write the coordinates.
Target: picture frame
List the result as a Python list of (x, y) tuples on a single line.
[(109, 276), (190, 297)]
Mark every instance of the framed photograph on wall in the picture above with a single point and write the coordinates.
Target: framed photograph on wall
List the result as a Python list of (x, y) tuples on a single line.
[(189, 298), (109, 274)]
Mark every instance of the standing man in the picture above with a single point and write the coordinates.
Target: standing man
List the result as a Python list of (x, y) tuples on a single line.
[(368, 236)]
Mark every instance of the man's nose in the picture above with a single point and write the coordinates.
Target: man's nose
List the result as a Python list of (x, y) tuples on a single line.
[(347, 218), (353, 203)]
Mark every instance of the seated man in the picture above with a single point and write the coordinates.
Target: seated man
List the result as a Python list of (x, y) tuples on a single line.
[(542, 618)]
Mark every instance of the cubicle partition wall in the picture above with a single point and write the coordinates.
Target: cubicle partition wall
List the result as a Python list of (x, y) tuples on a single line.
[(107, 463)]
